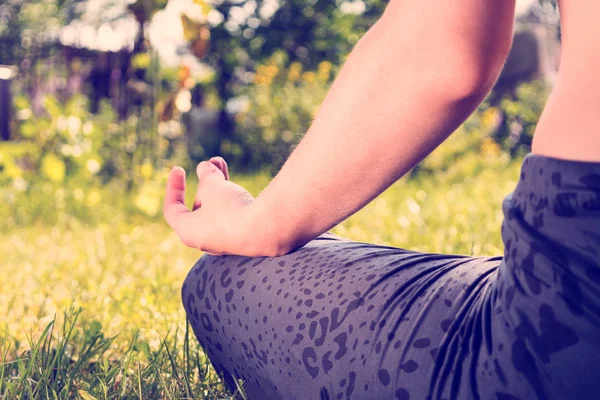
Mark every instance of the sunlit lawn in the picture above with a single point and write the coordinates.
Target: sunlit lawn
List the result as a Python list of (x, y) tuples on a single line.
[(125, 270)]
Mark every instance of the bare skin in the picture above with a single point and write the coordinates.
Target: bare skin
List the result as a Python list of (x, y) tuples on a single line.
[(568, 127), (408, 84)]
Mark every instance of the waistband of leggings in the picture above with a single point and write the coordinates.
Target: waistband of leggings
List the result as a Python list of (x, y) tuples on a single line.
[(568, 187)]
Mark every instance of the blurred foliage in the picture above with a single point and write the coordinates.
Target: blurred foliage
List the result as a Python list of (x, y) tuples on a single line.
[(143, 10), (235, 38), (26, 25), (519, 115), (308, 32), (278, 110), (69, 144), (497, 134), (266, 138), (275, 61)]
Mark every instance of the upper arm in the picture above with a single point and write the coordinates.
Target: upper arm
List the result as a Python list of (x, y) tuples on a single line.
[(467, 37)]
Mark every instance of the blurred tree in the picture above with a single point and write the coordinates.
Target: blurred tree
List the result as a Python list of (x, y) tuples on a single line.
[(28, 33), (26, 27), (244, 34), (309, 31)]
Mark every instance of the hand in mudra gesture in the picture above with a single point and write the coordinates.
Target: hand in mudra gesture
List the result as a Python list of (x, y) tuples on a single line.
[(216, 224)]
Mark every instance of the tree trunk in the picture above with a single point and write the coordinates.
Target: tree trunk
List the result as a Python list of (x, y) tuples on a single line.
[(5, 102)]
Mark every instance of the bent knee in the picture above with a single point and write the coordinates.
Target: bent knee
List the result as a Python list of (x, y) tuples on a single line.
[(203, 288), (194, 285)]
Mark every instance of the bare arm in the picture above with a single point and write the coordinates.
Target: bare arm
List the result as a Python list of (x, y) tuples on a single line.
[(408, 84)]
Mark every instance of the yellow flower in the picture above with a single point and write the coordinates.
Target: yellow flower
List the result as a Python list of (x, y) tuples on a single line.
[(325, 66), (53, 168), (490, 118), (294, 71), (296, 66), (146, 170), (293, 75), (148, 199), (262, 79), (272, 71), (489, 147), (93, 198), (309, 77), (323, 75)]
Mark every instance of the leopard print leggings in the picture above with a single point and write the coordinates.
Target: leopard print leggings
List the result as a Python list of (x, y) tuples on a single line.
[(339, 319)]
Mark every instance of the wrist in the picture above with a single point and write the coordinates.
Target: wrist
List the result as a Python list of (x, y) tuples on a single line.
[(261, 236)]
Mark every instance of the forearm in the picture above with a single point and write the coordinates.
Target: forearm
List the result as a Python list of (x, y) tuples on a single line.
[(391, 105)]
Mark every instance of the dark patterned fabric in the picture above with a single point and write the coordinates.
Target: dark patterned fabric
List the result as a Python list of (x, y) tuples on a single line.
[(339, 319)]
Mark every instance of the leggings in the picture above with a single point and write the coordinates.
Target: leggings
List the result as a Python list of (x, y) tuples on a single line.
[(339, 319)]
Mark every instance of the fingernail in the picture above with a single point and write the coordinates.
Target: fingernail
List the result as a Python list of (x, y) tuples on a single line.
[(202, 166), (180, 171)]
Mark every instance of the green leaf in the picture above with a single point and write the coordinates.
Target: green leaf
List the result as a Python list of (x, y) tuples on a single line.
[(86, 396)]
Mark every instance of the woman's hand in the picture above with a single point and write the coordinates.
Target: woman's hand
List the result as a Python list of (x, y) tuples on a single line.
[(220, 221)]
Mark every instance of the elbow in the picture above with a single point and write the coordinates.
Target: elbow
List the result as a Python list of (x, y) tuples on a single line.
[(475, 80), (473, 72), (463, 77), (465, 56)]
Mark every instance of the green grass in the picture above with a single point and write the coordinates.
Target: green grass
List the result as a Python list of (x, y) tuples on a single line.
[(90, 287)]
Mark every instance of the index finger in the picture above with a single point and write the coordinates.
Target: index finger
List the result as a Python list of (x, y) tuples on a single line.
[(174, 208)]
